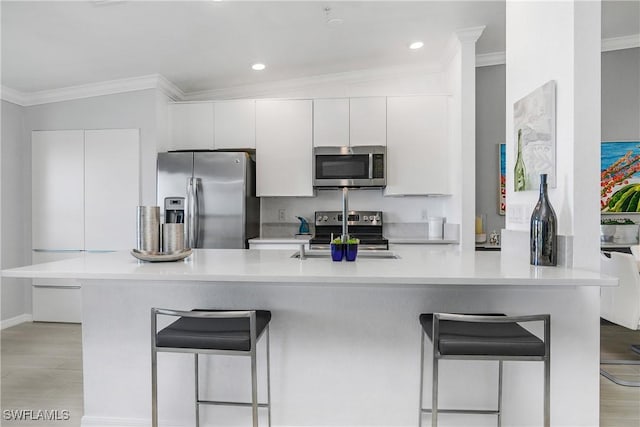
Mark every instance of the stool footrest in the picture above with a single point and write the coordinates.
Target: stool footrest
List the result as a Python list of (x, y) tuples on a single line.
[(223, 403), (464, 411)]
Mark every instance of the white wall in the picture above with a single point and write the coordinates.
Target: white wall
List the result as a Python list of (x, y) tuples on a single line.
[(490, 125), (559, 41), (621, 95), (16, 212)]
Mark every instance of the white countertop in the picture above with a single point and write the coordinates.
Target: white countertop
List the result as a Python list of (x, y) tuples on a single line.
[(417, 265)]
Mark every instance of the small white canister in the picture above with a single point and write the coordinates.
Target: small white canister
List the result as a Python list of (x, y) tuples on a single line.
[(435, 227)]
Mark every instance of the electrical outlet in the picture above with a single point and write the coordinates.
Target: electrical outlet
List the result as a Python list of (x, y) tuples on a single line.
[(282, 215), (425, 215)]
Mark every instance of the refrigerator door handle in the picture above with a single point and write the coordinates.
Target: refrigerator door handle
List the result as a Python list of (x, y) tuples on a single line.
[(196, 213), (190, 214)]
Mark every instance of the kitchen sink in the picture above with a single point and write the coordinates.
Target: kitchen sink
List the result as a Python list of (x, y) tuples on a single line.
[(379, 254)]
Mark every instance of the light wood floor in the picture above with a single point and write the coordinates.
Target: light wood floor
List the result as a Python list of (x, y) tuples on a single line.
[(42, 369)]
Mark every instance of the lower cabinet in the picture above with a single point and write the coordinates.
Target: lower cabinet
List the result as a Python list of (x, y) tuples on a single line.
[(56, 300)]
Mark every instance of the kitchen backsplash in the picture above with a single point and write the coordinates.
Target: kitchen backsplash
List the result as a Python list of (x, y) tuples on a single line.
[(404, 217)]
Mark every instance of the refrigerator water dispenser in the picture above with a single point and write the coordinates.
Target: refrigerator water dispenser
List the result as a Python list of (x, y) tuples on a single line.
[(174, 210)]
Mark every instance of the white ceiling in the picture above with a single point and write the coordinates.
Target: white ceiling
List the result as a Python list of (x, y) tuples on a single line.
[(207, 45)]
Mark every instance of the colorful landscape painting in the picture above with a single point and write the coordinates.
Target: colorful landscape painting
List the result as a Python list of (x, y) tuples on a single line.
[(620, 176), (502, 196)]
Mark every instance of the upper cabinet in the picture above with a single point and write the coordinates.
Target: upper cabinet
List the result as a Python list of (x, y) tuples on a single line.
[(57, 189), (284, 147), (112, 188), (85, 189), (331, 122), (235, 124), (220, 125), (191, 126), (417, 149), (368, 121)]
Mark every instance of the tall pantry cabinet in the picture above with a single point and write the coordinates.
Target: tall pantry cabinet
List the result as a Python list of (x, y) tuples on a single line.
[(85, 189)]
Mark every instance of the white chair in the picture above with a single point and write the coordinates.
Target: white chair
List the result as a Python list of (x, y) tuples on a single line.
[(621, 304)]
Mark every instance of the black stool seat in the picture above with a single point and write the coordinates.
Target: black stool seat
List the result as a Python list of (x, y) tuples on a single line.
[(212, 333), (483, 339)]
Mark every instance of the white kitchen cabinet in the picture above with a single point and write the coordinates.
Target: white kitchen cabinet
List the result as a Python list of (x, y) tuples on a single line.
[(112, 188), (191, 126), (284, 147), (57, 189), (417, 151), (56, 300), (85, 189), (235, 124), (331, 122), (368, 121)]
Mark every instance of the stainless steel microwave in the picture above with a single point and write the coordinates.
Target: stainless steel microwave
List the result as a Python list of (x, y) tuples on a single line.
[(362, 166)]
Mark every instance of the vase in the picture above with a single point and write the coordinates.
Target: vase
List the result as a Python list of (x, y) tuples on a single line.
[(351, 251), (544, 226), (337, 251)]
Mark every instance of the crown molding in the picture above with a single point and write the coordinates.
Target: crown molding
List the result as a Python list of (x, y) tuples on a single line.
[(471, 34), (157, 81), (489, 59), (154, 81), (267, 89), (13, 96), (619, 43)]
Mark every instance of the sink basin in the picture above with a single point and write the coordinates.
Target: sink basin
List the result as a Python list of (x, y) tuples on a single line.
[(361, 254)]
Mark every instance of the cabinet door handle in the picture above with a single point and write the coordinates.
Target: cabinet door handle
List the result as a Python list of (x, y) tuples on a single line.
[(57, 286)]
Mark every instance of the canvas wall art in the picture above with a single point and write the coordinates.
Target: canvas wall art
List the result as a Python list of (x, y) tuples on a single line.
[(534, 124), (620, 176)]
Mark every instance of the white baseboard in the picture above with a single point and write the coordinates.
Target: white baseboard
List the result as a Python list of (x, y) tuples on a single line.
[(13, 321), (88, 421), (137, 422)]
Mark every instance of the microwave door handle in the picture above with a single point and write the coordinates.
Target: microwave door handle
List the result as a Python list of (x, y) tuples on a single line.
[(370, 165)]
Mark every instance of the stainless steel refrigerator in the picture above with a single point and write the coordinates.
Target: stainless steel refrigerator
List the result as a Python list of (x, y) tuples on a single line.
[(213, 193)]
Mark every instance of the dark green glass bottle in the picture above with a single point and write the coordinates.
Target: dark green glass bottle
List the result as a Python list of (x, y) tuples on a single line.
[(544, 229)]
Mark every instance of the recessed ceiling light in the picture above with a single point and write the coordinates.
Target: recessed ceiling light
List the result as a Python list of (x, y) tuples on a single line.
[(258, 67), (416, 45), (334, 22)]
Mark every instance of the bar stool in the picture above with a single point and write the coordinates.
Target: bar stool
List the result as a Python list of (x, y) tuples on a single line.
[(231, 333), (482, 337)]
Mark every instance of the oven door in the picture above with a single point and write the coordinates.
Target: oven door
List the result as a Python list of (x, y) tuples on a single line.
[(349, 167)]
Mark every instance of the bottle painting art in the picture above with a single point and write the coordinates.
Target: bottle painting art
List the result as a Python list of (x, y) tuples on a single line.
[(519, 172)]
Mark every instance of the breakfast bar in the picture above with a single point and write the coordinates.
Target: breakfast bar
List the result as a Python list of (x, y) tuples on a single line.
[(345, 336)]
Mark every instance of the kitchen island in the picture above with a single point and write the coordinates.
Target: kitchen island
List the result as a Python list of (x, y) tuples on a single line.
[(345, 337)]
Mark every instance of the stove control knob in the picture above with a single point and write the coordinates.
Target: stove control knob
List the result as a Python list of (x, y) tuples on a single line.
[(366, 218), (325, 218)]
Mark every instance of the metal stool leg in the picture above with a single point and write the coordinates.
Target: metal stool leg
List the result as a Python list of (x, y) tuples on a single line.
[(268, 381), (154, 373), (547, 392), (197, 388), (434, 397), (421, 376), (500, 393)]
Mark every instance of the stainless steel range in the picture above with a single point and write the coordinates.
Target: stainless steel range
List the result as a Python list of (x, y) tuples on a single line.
[(364, 225)]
